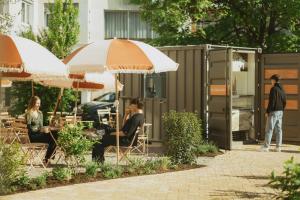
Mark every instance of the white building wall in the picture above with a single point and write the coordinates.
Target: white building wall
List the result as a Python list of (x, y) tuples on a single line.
[(91, 19)]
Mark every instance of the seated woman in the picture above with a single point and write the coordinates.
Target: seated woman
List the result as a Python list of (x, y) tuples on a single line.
[(133, 119), (34, 120)]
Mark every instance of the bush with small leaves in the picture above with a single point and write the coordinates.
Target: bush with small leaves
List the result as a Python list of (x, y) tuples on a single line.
[(111, 171), (62, 173), (289, 183), (11, 166), (91, 169), (40, 181), (184, 134), (205, 148)]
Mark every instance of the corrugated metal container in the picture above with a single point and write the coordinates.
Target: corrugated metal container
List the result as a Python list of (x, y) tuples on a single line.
[(208, 82)]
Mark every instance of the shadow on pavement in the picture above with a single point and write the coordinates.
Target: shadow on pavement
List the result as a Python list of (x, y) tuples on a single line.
[(241, 194)]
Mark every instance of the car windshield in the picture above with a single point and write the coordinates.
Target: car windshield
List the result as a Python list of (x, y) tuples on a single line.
[(108, 97)]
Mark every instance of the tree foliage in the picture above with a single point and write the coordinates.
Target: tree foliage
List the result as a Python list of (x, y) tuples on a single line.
[(60, 37), (272, 25), (176, 21), (6, 20)]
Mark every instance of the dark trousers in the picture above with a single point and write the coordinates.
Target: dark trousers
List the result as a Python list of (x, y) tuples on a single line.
[(38, 137), (107, 140)]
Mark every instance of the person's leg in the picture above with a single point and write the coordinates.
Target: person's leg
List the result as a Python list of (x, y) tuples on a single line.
[(269, 130), (98, 149), (44, 138), (278, 129)]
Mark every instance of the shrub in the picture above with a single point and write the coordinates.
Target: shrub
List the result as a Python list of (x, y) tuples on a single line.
[(40, 181), (22, 181), (289, 183), (62, 173), (75, 144), (111, 171), (164, 163), (11, 160), (206, 148), (91, 169), (183, 131), (135, 165)]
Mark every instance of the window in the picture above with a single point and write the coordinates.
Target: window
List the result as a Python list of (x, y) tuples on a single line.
[(155, 85), (26, 9), (126, 24)]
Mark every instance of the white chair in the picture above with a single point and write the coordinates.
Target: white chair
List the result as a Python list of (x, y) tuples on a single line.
[(104, 116)]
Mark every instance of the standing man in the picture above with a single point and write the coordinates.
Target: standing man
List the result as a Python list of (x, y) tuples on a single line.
[(276, 106)]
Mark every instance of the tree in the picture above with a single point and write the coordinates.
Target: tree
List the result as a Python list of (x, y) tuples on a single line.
[(272, 25), (176, 21), (6, 20), (63, 28), (60, 37)]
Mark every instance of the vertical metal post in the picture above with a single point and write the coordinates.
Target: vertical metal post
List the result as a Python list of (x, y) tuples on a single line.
[(117, 117)]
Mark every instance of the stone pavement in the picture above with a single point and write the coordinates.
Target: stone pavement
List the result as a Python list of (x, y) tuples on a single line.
[(238, 174)]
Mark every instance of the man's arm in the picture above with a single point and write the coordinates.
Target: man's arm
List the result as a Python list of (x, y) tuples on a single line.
[(271, 103)]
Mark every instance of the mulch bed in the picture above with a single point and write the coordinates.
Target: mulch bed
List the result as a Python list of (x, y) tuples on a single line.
[(82, 178)]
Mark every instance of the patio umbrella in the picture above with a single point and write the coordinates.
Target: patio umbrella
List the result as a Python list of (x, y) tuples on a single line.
[(119, 56), (24, 56), (23, 60)]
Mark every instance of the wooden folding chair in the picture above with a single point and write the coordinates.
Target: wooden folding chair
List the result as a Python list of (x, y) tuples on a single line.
[(125, 151), (32, 151), (143, 140)]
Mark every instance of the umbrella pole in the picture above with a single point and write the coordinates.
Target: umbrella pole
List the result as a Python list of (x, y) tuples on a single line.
[(57, 103), (117, 118), (32, 88), (76, 102)]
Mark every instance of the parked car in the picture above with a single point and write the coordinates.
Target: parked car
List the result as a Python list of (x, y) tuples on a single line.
[(88, 111)]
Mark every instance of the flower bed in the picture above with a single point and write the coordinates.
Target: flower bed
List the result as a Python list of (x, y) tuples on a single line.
[(103, 172)]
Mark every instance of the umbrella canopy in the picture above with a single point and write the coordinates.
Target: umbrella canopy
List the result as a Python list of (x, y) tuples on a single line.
[(24, 56), (119, 56), (5, 83), (89, 81)]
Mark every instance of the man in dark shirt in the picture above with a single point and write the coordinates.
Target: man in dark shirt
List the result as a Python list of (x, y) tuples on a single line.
[(133, 119), (274, 113)]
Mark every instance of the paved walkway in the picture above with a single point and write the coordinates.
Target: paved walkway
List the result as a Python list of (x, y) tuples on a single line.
[(238, 174)]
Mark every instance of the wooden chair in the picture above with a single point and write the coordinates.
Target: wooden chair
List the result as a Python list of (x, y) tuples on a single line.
[(32, 151), (125, 151), (142, 146)]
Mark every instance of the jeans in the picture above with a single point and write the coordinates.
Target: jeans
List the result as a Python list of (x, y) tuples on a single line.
[(274, 122)]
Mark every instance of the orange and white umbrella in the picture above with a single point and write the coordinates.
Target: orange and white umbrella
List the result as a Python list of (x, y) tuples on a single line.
[(21, 55), (5, 83), (89, 81), (119, 56)]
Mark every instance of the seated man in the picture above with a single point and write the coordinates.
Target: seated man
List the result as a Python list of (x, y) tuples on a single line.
[(133, 119)]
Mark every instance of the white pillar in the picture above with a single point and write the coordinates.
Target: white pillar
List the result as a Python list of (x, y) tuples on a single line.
[(86, 97)]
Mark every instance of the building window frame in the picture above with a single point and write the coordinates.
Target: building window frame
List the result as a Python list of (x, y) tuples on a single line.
[(129, 27), (155, 85), (26, 12)]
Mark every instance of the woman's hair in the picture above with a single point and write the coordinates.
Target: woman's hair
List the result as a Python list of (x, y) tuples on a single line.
[(32, 102)]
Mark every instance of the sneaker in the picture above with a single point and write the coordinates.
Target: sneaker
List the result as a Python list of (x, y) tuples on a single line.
[(264, 149), (278, 149)]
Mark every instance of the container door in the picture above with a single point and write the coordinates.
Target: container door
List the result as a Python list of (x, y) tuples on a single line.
[(288, 67), (219, 97)]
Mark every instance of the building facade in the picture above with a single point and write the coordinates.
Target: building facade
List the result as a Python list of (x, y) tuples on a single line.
[(98, 19)]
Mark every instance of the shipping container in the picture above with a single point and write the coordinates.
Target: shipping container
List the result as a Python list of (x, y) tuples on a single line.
[(227, 86)]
